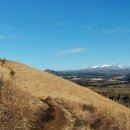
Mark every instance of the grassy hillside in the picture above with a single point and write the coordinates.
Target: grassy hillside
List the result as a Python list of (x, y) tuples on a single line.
[(34, 100)]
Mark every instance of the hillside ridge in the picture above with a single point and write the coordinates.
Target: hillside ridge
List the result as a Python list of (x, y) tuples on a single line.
[(68, 107)]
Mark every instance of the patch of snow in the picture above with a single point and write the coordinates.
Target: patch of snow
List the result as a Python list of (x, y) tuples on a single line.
[(94, 67)]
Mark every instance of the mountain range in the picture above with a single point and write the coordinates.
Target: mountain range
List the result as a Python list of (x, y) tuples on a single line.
[(109, 69)]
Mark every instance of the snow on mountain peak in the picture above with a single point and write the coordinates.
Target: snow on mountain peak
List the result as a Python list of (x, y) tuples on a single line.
[(94, 67), (111, 66)]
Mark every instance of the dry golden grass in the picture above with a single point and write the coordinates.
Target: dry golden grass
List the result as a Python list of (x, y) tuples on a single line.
[(83, 109), (18, 109)]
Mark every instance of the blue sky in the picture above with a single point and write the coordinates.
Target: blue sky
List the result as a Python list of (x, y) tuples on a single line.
[(65, 34)]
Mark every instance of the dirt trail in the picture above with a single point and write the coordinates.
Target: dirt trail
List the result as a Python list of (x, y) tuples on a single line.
[(76, 122), (55, 118)]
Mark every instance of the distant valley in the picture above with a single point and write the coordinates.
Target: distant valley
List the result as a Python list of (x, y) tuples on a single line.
[(112, 81), (109, 72)]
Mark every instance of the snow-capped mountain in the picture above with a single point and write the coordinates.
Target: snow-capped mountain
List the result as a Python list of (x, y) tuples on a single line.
[(110, 66), (109, 69)]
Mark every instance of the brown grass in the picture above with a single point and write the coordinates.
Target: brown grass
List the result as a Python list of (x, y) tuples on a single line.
[(84, 109)]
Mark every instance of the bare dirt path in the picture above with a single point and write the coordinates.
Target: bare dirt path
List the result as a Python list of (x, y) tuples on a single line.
[(54, 118)]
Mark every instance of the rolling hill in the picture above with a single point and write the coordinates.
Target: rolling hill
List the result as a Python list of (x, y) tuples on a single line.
[(31, 99)]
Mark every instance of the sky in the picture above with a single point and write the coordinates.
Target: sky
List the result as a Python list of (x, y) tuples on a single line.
[(65, 34)]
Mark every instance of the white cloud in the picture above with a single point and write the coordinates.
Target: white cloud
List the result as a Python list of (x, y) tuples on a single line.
[(70, 51), (87, 26)]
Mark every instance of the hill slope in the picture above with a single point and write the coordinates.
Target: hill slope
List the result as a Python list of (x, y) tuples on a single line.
[(32, 99)]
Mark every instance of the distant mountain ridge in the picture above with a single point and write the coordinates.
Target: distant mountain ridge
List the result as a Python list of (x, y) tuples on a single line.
[(115, 66), (110, 69), (110, 66), (51, 71), (107, 68)]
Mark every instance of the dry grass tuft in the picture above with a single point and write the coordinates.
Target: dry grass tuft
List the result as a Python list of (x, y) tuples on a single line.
[(93, 117), (18, 109)]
